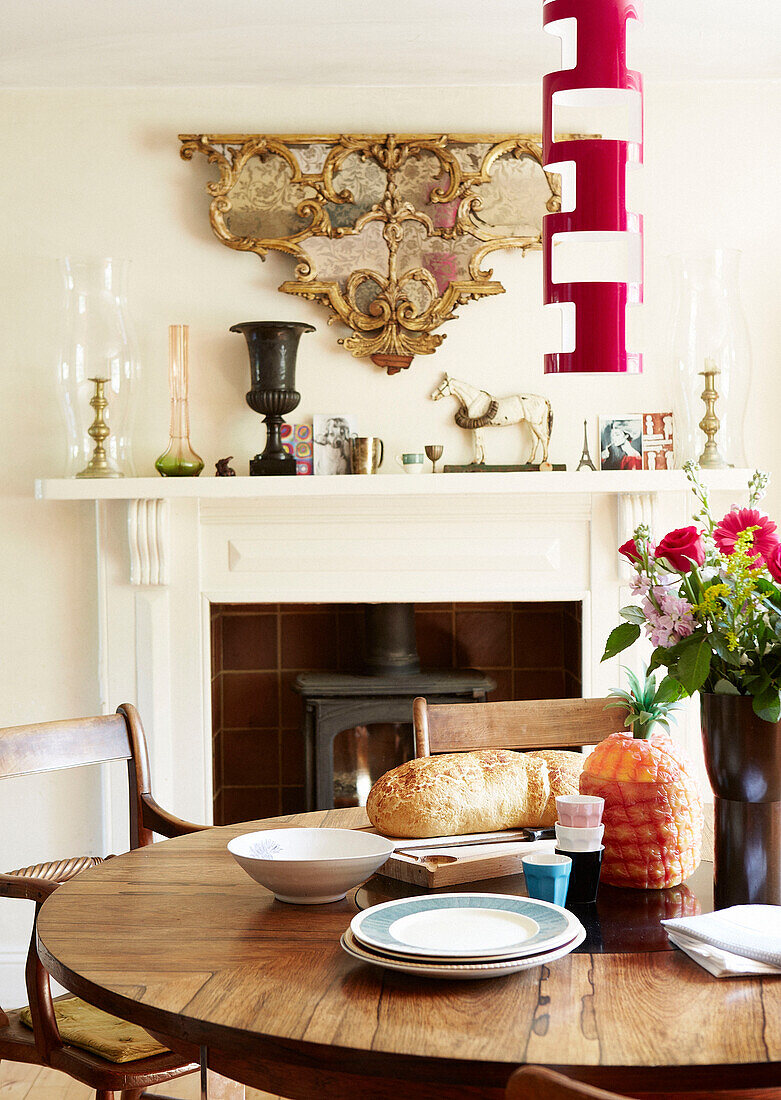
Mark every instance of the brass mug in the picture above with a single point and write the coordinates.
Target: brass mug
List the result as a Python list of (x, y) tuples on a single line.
[(366, 453)]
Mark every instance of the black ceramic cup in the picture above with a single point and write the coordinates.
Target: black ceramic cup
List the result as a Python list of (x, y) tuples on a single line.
[(584, 876)]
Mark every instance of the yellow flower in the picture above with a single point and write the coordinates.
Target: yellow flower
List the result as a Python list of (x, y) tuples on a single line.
[(710, 597)]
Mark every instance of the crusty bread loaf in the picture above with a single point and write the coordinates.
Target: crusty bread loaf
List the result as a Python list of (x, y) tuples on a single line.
[(564, 768), (472, 792)]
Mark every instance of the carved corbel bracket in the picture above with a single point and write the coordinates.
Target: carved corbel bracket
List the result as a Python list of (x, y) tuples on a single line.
[(633, 509), (149, 541)]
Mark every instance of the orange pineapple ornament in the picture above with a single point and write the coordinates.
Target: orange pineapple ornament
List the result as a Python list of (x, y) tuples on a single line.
[(653, 811)]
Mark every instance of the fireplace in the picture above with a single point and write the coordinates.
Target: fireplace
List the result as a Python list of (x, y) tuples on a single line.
[(176, 555), (266, 657)]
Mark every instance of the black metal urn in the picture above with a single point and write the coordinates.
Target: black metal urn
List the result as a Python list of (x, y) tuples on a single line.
[(272, 346)]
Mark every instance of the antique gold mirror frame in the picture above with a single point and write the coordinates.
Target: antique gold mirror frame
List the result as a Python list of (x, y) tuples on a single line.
[(390, 231)]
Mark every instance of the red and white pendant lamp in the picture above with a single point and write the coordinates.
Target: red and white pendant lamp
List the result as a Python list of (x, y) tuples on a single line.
[(594, 223)]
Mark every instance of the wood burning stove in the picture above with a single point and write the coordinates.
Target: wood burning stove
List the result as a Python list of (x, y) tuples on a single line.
[(374, 704)]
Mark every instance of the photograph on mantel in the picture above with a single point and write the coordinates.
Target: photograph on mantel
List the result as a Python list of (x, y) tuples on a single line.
[(621, 442), (658, 441), (332, 435)]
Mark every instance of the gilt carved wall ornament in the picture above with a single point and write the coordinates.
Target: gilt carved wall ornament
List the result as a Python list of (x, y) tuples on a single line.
[(390, 232)]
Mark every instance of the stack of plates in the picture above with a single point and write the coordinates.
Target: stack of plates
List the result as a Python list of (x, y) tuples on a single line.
[(462, 935)]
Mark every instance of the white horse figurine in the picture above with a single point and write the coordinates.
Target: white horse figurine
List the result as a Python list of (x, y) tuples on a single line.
[(478, 410)]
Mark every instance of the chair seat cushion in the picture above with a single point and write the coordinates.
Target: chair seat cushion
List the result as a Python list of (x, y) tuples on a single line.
[(85, 1026)]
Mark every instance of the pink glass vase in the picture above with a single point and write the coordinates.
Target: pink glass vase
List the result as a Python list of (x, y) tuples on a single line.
[(180, 460)]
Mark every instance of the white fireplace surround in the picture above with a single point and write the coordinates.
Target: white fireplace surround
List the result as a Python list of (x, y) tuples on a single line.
[(168, 548)]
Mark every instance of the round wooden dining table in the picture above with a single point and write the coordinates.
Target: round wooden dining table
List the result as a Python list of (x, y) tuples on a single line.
[(177, 938)]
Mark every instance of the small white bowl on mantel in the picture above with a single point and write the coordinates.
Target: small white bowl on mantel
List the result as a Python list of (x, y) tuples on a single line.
[(310, 866)]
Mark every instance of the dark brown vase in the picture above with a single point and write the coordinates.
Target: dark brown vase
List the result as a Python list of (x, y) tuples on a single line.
[(743, 760), (272, 347)]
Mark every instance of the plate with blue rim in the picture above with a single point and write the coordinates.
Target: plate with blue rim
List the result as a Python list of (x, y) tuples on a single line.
[(457, 969), (465, 926)]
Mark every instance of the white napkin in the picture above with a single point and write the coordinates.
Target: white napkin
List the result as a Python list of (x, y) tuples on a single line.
[(744, 939)]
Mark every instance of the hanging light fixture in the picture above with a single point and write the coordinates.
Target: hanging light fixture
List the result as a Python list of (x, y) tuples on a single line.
[(592, 248)]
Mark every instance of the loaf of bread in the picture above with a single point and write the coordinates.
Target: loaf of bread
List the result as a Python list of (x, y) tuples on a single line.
[(564, 770), (472, 792)]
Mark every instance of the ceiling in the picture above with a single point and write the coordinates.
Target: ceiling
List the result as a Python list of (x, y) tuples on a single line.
[(81, 43)]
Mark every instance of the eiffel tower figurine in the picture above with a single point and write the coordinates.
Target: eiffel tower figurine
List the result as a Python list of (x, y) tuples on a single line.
[(585, 459)]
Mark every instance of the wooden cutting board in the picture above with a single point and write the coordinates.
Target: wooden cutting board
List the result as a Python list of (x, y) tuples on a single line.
[(431, 864)]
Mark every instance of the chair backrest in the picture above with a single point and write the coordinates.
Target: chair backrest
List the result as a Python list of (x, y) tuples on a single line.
[(52, 746), (537, 1083), (517, 724)]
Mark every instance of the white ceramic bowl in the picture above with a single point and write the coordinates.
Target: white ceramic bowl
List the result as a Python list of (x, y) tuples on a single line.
[(310, 866), (580, 811), (579, 840)]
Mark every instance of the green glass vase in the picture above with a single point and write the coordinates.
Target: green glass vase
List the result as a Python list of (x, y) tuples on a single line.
[(179, 460)]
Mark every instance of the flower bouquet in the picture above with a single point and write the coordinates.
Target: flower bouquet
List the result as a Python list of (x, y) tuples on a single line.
[(710, 602)]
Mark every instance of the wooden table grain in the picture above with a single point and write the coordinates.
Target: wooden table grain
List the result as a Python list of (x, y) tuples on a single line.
[(179, 939)]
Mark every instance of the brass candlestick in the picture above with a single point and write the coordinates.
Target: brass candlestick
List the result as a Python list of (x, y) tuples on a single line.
[(99, 465), (710, 459)]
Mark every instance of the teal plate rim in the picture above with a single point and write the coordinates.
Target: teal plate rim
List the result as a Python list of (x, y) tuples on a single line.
[(373, 926)]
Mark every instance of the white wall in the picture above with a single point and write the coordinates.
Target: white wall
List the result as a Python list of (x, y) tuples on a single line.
[(94, 172)]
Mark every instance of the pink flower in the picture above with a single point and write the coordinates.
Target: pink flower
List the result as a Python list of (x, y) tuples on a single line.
[(663, 635), (650, 610), (640, 585), (679, 614), (773, 563), (684, 627), (682, 548), (669, 618), (764, 539)]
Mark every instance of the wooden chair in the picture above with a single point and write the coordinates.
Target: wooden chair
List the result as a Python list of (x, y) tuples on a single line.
[(51, 746), (536, 1083), (518, 724)]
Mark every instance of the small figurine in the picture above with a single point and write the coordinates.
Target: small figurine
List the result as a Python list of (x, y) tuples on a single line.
[(478, 410), (223, 469), (586, 462)]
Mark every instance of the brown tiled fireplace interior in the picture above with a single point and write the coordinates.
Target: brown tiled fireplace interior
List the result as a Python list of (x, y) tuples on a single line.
[(531, 650)]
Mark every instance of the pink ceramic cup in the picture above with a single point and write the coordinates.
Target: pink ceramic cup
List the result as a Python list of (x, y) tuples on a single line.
[(580, 811)]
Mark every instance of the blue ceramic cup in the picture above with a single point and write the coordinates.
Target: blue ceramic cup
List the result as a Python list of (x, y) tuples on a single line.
[(547, 876)]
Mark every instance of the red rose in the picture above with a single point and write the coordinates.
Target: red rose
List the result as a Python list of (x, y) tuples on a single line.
[(630, 551), (682, 548), (773, 563)]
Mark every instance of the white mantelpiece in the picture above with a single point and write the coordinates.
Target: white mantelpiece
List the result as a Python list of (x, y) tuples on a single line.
[(607, 482), (168, 548)]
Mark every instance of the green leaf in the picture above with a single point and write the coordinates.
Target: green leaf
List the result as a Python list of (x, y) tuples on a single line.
[(769, 589), (633, 614), (635, 687), (768, 705), (620, 638), (724, 687), (660, 656), (694, 665), (719, 646), (669, 691), (668, 655)]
